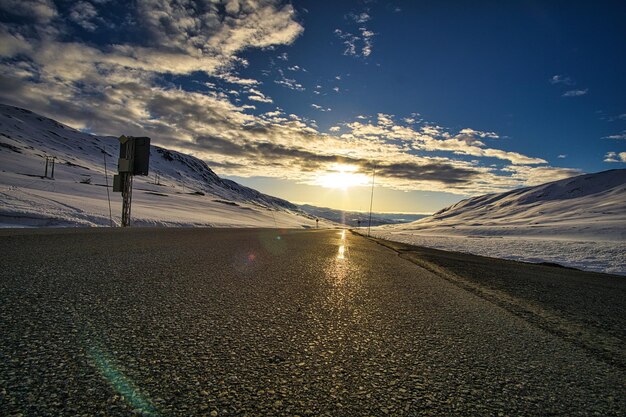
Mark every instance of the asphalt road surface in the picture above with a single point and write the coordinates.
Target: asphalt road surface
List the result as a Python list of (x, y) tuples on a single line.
[(265, 322)]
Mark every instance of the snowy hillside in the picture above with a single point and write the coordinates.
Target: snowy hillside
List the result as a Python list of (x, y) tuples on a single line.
[(588, 206), (181, 189), (579, 221)]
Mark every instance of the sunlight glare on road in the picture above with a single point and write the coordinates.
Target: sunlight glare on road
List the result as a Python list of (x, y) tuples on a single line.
[(342, 246), (342, 250)]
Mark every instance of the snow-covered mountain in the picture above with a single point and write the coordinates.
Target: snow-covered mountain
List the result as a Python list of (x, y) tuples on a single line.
[(586, 206), (578, 222), (180, 190)]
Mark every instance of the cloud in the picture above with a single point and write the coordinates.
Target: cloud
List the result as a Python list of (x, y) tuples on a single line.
[(320, 108), (575, 93), (356, 45), (83, 14), (561, 79), (114, 89), (40, 11), (256, 95), (562, 156), (568, 81), (289, 83), (615, 157), (176, 39), (434, 138), (12, 44), (233, 79), (261, 99), (360, 17), (359, 42), (273, 113), (540, 175), (619, 136), (205, 29)]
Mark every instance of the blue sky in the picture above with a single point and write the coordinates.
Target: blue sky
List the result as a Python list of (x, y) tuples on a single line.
[(304, 99)]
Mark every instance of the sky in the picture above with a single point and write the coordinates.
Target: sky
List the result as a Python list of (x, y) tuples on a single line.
[(311, 101)]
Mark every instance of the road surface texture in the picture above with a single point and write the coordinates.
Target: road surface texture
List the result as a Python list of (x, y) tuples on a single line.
[(266, 322)]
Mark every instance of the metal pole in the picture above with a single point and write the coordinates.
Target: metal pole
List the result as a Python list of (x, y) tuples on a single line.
[(369, 225), (127, 186), (127, 197), (52, 175), (106, 181), (45, 175)]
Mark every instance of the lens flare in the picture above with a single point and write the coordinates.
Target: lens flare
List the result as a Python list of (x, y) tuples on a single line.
[(120, 382)]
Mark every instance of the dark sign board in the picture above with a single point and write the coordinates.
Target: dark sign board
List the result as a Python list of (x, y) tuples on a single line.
[(142, 156), (117, 183), (134, 155)]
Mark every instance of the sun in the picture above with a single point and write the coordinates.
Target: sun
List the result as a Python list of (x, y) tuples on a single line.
[(342, 176)]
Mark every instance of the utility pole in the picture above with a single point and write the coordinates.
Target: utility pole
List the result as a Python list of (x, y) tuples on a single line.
[(134, 160), (369, 225), (127, 154), (106, 181)]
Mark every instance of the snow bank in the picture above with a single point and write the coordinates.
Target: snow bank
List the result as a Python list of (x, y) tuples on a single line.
[(599, 256)]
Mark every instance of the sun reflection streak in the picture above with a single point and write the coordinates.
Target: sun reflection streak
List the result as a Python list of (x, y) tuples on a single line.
[(342, 247), (342, 250)]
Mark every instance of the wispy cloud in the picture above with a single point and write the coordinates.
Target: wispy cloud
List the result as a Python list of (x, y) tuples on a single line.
[(256, 95), (561, 79), (233, 79), (320, 108), (619, 136), (575, 93), (565, 80), (360, 42), (290, 84), (359, 17)]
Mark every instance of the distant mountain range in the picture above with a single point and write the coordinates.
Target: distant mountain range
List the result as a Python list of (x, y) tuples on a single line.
[(352, 218)]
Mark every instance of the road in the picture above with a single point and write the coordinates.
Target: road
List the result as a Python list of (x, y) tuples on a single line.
[(266, 322)]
